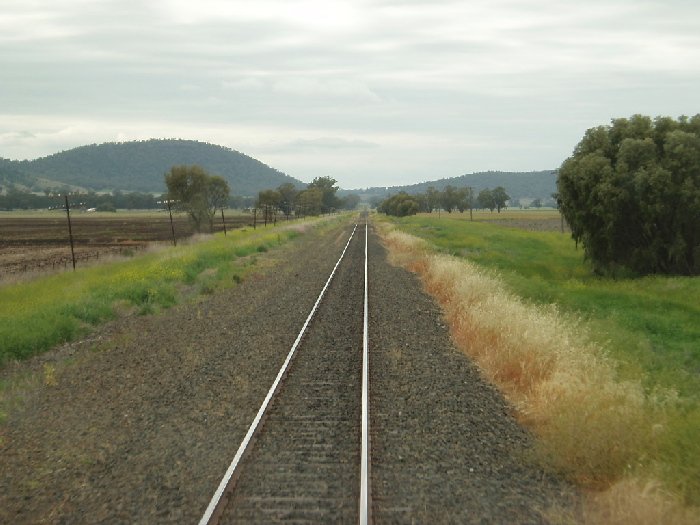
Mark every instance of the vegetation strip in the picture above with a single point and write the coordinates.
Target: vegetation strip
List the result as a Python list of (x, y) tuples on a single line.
[(603, 426), (37, 315)]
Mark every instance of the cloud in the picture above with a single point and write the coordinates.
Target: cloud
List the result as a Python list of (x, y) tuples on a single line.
[(303, 146), (320, 88), (401, 87)]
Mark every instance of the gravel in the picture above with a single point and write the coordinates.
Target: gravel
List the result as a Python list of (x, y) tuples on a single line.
[(139, 423)]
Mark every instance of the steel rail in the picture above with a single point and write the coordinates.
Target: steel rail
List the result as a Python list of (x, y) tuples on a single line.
[(214, 502), (365, 490)]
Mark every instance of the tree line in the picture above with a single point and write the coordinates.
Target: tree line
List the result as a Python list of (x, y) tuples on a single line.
[(319, 196), (451, 198), (16, 199), (194, 191)]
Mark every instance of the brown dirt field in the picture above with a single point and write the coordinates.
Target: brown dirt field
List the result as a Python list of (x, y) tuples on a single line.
[(40, 244)]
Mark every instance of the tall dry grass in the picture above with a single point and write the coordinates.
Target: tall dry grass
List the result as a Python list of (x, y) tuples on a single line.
[(592, 426)]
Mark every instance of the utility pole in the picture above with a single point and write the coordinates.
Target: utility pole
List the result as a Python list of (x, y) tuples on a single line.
[(70, 231), (168, 202), (223, 221)]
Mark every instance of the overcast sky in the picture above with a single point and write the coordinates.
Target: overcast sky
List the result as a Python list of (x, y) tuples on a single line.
[(370, 92)]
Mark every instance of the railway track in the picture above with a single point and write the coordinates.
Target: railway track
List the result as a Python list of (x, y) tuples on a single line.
[(305, 457)]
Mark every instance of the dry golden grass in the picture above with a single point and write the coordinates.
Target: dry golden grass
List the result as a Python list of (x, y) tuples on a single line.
[(592, 426), (641, 503)]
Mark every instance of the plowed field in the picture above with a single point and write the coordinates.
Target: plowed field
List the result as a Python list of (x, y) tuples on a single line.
[(41, 243)]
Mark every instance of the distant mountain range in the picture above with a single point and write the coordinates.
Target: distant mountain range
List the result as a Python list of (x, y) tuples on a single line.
[(519, 185), (139, 166)]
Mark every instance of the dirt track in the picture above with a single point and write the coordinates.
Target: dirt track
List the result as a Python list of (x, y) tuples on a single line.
[(138, 423)]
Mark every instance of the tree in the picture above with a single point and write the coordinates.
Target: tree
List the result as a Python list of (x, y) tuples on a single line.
[(268, 198), (500, 197), (288, 194), (217, 197), (310, 201), (432, 198), (197, 193), (449, 198), (400, 205), (465, 199), (329, 200), (485, 200), (631, 195), (269, 201)]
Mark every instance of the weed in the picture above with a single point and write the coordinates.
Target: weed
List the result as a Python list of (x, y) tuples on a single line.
[(50, 375)]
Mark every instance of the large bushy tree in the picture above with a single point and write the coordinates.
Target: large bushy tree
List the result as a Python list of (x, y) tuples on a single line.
[(485, 200), (631, 195), (500, 197), (328, 188), (197, 193), (400, 205)]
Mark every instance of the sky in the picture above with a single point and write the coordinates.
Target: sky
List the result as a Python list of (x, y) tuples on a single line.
[(369, 92)]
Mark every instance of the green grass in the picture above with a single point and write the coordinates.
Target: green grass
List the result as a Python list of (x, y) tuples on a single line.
[(650, 325), (37, 315)]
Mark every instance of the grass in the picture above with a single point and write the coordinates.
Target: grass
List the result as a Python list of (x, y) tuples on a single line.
[(604, 372), (37, 315)]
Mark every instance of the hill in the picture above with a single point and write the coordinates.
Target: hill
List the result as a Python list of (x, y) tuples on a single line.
[(140, 166), (519, 185), (11, 174)]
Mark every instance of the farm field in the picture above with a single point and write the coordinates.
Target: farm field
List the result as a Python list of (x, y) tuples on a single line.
[(543, 220), (646, 328), (38, 241)]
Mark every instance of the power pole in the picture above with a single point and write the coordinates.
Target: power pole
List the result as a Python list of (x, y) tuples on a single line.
[(70, 231), (172, 226)]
